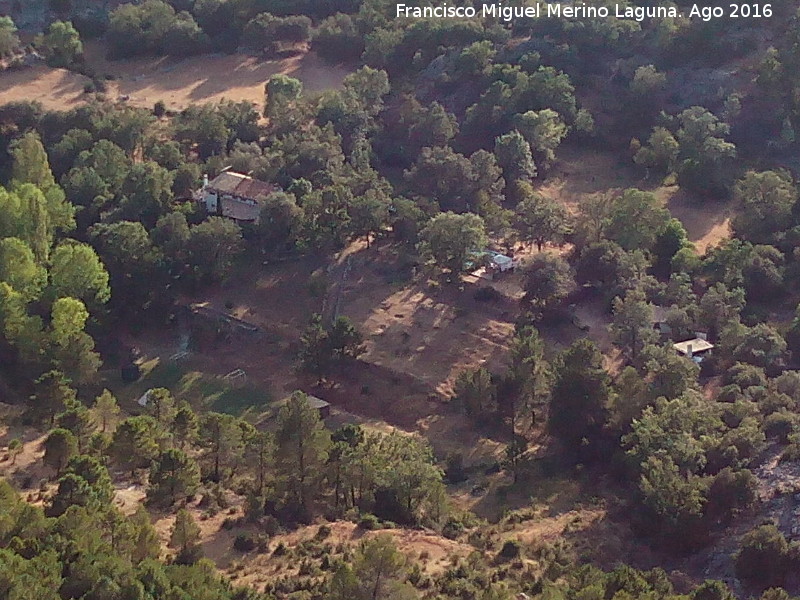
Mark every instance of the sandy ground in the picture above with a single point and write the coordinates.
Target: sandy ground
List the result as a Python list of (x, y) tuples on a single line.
[(706, 224), (177, 82), (27, 470)]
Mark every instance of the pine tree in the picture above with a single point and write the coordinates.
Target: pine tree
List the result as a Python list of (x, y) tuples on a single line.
[(579, 396), (185, 425), (185, 537), (632, 328), (77, 419), (146, 541), (51, 394), (161, 406), (105, 410), (315, 357), (173, 476), (221, 435), (302, 445), (59, 447), (260, 450), (135, 442)]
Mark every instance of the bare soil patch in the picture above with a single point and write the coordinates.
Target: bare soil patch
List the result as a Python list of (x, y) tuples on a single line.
[(27, 470), (56, 89), (176, 82), (217, 541), (707, 223), (430, 332)]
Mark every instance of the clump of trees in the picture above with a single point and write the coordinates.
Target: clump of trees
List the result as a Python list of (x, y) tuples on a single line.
[(9, 41), (61, 45), (188, 28), (294, 474), (326, 347), (696, 150), (42, 275), (154, 27), (83, 517)]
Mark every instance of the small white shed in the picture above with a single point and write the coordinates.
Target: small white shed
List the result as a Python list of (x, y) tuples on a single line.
[(145, 398), (694, 349), (502, 263)]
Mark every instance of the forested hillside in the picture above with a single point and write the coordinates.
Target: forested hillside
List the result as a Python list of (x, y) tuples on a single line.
[(519, 313)]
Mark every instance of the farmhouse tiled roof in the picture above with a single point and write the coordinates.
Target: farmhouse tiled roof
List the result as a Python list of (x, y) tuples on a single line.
[(240, 185), (240, 211)]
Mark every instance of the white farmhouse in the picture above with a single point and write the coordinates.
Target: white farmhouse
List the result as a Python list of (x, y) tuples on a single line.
[(234, 195)]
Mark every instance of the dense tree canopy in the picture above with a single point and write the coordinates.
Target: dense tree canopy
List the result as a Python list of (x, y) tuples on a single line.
[(592, 150)]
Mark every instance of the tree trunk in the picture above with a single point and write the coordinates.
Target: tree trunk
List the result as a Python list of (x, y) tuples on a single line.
[(302, 479)]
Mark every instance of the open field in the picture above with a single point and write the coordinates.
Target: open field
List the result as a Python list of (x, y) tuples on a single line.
[(402, 381), (582, 173), (176, 82)]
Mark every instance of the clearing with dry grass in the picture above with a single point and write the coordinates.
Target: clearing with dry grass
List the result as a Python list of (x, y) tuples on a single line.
[(580, 174), (178, 83)]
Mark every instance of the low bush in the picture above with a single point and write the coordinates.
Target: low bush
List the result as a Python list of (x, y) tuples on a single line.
[(244, 542), (369, 522), (511, 549), (323, 532)]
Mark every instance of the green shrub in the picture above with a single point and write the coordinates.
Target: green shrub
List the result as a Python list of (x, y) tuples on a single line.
[(511, 549), (244, 542), (369, 522), (414, 574), (280, 550), (159, 109), (317, 284), (190, 555), (452, 529), (791, 453), (487, 294), (780, 425), (323, 532), (454, 471), (763, 559)]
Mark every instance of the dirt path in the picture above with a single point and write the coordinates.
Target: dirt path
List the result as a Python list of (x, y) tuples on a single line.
[(337, 274)]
